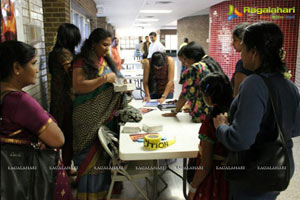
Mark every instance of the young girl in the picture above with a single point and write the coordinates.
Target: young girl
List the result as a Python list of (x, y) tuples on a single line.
[(208, 181)]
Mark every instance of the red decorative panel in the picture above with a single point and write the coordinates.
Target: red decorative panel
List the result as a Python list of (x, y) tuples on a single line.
[(221, 28)]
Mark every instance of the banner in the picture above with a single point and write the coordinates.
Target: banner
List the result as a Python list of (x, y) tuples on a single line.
[(8, 21)]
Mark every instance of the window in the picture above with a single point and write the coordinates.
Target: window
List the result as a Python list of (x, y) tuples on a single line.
[(171, 42), (83, 24), (129, 42)]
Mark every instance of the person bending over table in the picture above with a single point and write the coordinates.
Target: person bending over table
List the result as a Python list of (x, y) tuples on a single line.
[(158, 77), (198, 65)]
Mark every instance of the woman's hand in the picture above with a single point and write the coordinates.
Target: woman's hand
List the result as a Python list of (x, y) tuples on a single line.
[(191, 196), (147, 98), (111, 77), (161, 100), (172, 114), (220, 120)]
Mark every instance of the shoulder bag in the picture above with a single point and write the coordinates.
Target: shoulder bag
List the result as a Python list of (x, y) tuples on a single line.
[(264, 167), (26, 171)]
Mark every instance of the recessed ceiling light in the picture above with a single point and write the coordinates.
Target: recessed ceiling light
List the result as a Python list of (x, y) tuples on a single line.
[(142, 24), (155, 11), (147, 20), (163, 2)]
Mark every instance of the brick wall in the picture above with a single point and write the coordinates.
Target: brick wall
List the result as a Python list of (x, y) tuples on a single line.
[(221, 30), (87, 8), (32, 13), (101, 22), (194, 28), (56, 12)]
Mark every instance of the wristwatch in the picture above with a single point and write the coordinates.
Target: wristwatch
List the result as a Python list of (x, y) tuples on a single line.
[(163, 96), (192, 189)]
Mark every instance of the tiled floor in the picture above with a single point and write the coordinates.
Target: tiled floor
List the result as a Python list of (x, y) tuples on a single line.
[(174, 190)]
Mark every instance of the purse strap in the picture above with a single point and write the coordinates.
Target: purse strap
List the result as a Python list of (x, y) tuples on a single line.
[(274, 104)]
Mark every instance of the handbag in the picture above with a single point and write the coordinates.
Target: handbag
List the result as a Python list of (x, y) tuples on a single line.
[(27, 172), (264, 167)]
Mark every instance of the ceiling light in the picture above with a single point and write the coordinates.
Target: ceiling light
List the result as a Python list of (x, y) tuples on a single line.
[(147, 20), (155, 11), (142, 24), (163, 2)]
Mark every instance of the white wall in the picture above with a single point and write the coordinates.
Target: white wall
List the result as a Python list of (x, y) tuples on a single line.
[(31, 12)]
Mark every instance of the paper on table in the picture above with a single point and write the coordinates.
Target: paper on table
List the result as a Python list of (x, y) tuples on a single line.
[(151, 128), (151, 104), (132, 127)]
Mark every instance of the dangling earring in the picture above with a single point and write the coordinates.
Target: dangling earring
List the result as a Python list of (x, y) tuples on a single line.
[(17, 73)]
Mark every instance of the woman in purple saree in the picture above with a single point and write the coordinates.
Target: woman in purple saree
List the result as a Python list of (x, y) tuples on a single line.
[(23, 120)]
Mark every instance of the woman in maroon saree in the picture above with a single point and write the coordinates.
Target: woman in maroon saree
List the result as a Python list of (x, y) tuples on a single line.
[(23, 120)]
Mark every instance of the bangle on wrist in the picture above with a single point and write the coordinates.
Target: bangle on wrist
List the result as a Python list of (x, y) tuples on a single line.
[(163, 96), (192, 189)]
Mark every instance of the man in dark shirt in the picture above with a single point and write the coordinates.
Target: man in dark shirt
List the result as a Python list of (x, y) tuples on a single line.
[(145, 47)]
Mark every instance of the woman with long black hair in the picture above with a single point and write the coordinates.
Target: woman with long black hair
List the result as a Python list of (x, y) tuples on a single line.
[(60, 60)]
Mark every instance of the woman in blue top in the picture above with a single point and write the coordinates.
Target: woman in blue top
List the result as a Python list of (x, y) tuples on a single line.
[(251, 118)]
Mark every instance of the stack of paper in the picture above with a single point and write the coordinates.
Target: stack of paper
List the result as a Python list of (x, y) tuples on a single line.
[(152, 128), (124, 87), (132, 128)]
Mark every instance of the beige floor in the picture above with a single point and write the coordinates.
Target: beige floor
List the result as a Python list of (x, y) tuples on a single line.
[(174, 190)]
